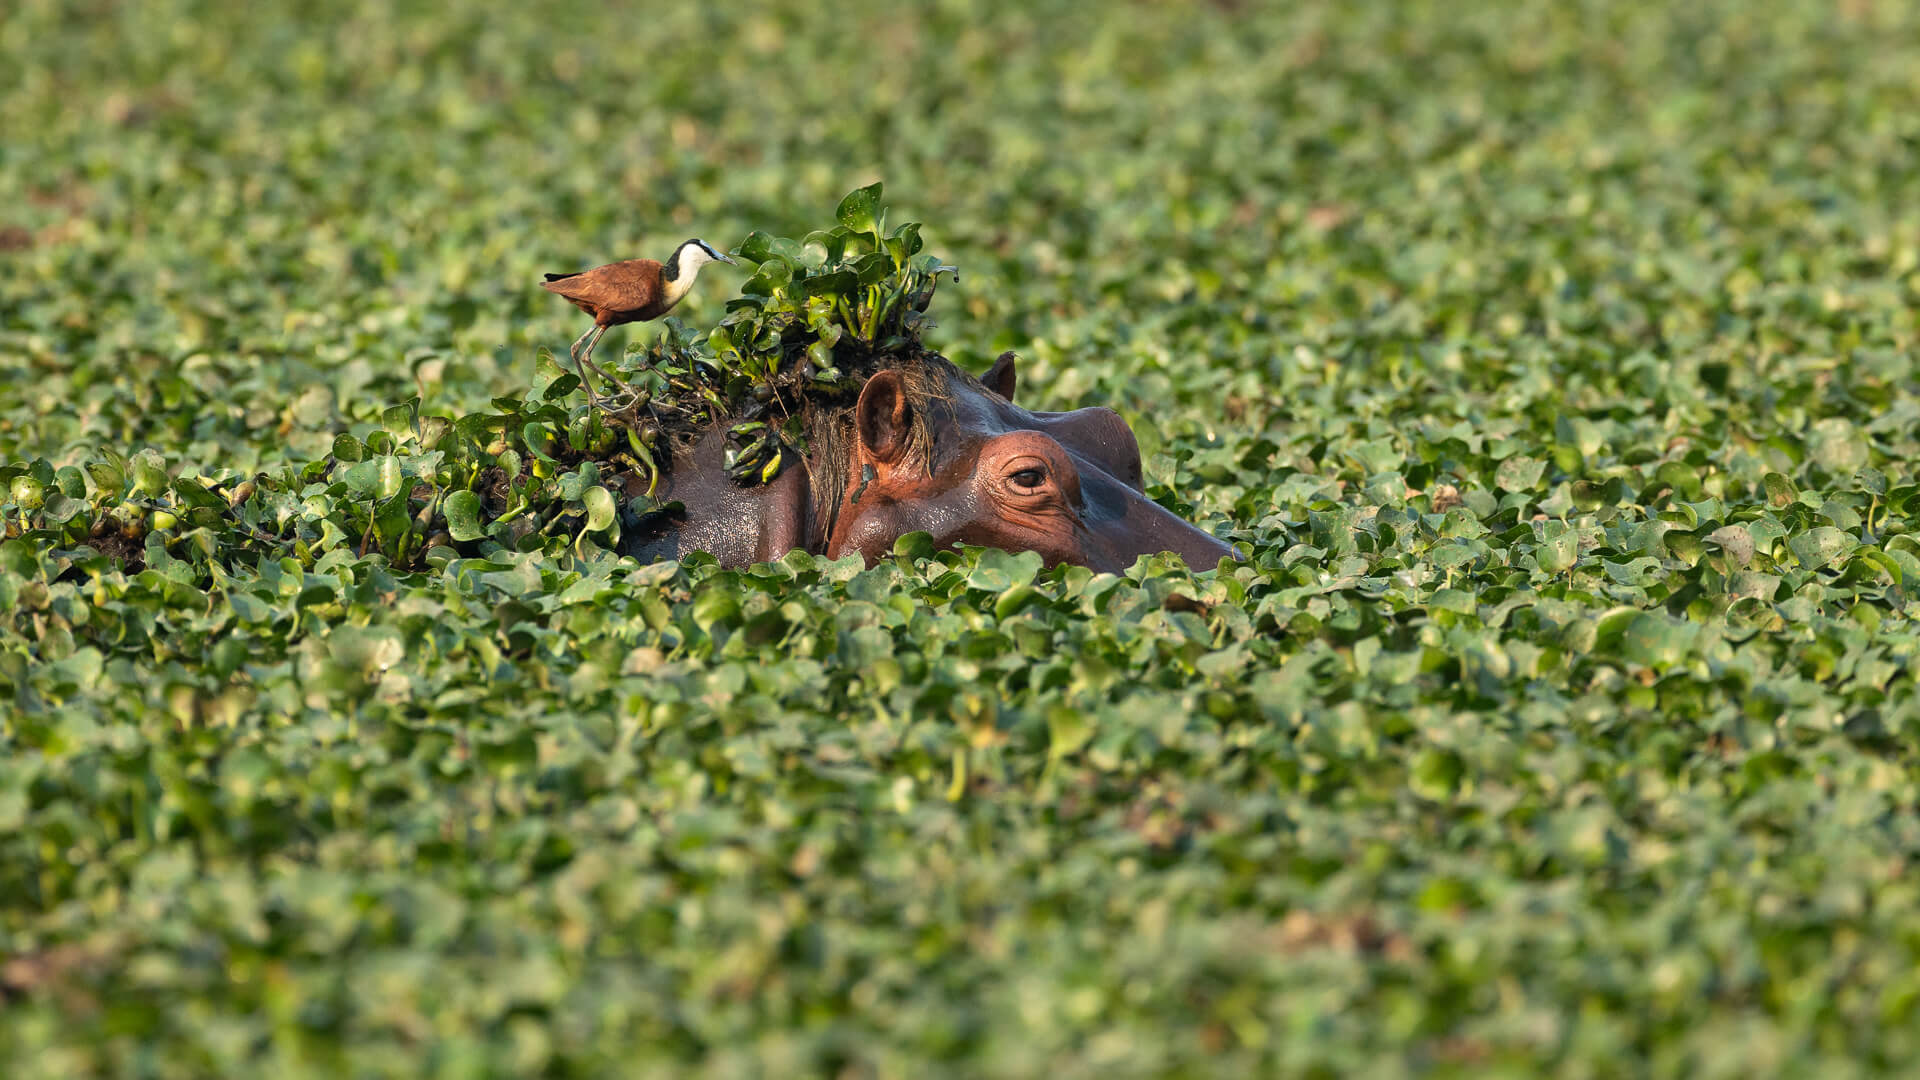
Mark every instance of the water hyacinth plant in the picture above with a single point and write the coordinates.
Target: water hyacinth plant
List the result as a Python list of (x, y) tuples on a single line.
[(818, 315), (1556, 366)]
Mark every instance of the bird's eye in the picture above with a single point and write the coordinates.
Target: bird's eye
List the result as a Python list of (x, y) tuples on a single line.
[(1028, 479)]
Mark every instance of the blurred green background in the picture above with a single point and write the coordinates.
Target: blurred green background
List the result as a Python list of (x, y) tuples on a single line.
[(1541, 775)]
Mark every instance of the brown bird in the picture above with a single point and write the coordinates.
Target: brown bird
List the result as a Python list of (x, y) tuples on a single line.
[(633, 290)]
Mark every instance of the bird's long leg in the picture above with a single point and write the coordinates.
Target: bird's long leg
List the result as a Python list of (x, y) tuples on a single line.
[(574, 355), (587, 358)]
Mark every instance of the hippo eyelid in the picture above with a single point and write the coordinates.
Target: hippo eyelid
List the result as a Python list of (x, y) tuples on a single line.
[(1056, 487), (1026, 473)]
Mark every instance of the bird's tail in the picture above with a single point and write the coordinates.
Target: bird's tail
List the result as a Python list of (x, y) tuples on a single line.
[(562, 277)]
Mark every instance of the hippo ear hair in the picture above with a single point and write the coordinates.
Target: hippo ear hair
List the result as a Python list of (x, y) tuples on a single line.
[(882, 417), (1001, 376)]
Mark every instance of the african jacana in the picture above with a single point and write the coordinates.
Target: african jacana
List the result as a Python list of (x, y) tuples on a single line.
[(633, 290)]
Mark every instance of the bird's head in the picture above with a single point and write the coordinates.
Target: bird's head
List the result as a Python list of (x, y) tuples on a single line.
[(689, 257)]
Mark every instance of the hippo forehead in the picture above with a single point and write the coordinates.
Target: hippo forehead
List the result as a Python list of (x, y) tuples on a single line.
[(1095, 437)]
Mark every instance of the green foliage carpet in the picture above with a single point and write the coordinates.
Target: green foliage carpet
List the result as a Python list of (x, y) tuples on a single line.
[(1552, 363)]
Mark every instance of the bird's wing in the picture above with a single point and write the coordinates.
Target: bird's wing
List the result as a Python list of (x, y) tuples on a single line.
[(622, 286)]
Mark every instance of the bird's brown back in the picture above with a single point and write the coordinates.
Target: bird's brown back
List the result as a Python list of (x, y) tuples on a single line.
[(631, 290)]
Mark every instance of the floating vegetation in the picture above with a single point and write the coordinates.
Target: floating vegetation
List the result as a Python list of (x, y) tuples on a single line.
[(537, 470)]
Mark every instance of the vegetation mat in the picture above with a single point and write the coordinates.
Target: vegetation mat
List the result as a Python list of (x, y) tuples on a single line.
[(1553, 364)]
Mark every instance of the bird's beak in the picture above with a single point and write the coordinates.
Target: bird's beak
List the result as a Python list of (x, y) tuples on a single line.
[(722, 256)]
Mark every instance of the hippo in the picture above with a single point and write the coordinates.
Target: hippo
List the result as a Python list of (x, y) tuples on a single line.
[(928, 447)]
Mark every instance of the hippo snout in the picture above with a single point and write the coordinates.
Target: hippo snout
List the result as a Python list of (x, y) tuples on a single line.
[(1123, 524)]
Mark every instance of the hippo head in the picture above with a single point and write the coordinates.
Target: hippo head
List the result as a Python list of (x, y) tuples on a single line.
[(970, 467)]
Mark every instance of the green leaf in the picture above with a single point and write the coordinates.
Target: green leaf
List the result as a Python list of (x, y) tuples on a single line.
[(391, 520), (398, 420), (463, 516), (1580, 433), (1837, 446), (1013, 600), (538, 439), (860, 210), (871, 269), (1436, 774), (108, 478), (773, 276), (1884, 561), (193, 493), (1657, 641), (914, 546), (824, 247), (1736, 542), (998, 571), (1820, 547), (61, 507), (600, 508), (1753, 584), (1780, 490), (363, 478), (149, 474), (836, 283), (1558, 554), (390, 477), (933, 267), (1068, 730), (757, 248), (714, 606), (1519, 473), (903, 242)]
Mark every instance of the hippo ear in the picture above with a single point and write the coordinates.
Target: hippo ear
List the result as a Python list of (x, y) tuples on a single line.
[(1001, 377), (882, 417)]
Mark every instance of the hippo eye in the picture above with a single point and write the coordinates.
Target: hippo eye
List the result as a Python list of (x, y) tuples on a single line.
[(1028, 479)]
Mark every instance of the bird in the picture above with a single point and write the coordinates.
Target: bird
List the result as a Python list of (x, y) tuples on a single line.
[(632, 290)]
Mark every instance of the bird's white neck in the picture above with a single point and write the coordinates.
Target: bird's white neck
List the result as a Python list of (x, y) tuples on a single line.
[(685, 267)]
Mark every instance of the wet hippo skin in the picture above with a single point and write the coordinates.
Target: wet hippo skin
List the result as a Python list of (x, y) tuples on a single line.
[(934, 450)]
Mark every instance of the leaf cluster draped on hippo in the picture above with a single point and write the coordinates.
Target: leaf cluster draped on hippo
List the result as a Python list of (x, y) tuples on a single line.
[(927, 447)]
